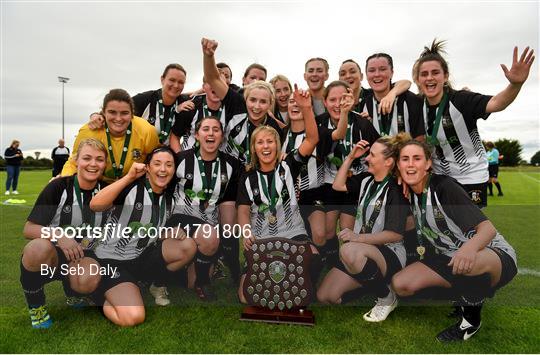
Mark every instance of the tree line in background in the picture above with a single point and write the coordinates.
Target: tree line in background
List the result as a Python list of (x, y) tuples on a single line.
[(510, 149)]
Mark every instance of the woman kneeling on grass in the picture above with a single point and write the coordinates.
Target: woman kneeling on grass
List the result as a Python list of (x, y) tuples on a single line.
[(471, 258), (374, 251), (267, 204), (143, 202), (63, 203)]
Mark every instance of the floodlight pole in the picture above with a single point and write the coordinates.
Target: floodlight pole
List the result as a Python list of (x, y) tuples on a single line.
[(63, 80)]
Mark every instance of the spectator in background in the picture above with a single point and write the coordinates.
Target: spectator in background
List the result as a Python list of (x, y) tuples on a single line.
[(59, 156), (493, 168), (13, 156)]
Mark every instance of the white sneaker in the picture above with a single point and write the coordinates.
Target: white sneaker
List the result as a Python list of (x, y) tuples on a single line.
[(6, 193), (160, 295), (381, 310), (15, 192)]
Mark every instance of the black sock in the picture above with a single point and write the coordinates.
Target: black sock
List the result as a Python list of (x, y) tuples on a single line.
[(352, 295), (202, 268), (498, 187), (231, 256), (490, 188), (472, 314), (315, 269), (332, 252), (32, 283)]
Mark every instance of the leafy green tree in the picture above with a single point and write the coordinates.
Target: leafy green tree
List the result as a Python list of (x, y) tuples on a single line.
[(536, 158), (511, 150)]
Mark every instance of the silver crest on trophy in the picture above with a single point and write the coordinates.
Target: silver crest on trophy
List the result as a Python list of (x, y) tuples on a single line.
[(270, 245), (301, 249), (292, 277), (286, 295), (271, 304), (255, 267), (286, 246), (276, 298), (303, 293), (266, 293), (267, 283), (255, 257), (255, 298), (277, 288), (254, 247), (253, 278), (299, 270), (263, 302), (258, 287), (293, 249), (299, 259), (281, 306), (263, 266), (262, 248), (250, 290), (300, 281), (285, 284), (291, 267), (289, 304), (262, 276), (278, 244), (294, 290), (297, 300)]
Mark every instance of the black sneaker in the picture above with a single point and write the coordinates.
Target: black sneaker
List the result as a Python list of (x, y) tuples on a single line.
[(460, 331), (500, 194)]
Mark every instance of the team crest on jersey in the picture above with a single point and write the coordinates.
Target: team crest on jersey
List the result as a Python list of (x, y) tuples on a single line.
[(189, 176), (255, 191), (224, 179), (476, 196), (447, 121), (378, 205), (282, 175), (437, 214), (136, 154), (238, 128), (138, 206), (67, 209)]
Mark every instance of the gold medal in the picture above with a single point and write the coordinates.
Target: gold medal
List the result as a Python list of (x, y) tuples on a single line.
[(272, 219), (421, 250), (85, 243)]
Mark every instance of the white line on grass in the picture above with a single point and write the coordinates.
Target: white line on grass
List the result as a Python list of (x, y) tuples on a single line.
[(525, 271), (530, 177)]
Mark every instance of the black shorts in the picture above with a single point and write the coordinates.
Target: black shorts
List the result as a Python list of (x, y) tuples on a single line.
[(393, 265), (339, 201), (493, 170), (439, 264), (189, 223), (477, 193), (62, 260), (311, 200), (143, 268)]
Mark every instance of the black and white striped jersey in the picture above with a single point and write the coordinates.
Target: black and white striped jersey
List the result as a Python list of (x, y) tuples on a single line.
[(451, 217), (272, 197), (233, 103), (381, 206), (406, 115), (218, 177), (312, 174), (58, 206), (147, 106), (459, 153), (135, 207), (357, 129)]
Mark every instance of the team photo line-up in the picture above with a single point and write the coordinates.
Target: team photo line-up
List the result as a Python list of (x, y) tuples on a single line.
[(384, 185)]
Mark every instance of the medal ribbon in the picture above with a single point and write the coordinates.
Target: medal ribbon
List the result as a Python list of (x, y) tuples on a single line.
[(270, 195), (208, 184), (384, 128), (165, 124), (85, 212), (118, 169), (207, 112), (157, 214), (421, 219), (432, 139)]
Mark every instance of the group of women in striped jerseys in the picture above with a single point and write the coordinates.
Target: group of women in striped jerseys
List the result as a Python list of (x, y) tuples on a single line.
[(270, 160)]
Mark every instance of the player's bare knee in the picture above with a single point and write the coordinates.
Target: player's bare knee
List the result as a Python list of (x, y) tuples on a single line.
[(37, 252), (402, 286), (130, 316)]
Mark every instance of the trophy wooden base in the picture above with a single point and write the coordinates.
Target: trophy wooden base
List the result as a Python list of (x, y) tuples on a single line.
[(296, 316)]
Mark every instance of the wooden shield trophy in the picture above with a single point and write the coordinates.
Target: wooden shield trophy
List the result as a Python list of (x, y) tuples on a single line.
[(278, 286)]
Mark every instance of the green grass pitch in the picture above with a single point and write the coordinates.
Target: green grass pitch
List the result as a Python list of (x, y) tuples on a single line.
[(511, 321)]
